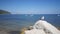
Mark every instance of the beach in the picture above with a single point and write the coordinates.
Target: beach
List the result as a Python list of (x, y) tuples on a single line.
[(2, 31)]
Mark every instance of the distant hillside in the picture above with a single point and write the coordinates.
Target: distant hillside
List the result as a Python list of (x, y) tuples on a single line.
[(4, 12)]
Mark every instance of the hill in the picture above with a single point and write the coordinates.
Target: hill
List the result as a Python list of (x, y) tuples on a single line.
[(4, 12)]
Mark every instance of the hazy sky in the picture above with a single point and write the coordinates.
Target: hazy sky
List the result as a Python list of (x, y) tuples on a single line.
[(31, 6)]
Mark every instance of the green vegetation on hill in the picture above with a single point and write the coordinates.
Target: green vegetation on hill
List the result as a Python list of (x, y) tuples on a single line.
[(4, 12)]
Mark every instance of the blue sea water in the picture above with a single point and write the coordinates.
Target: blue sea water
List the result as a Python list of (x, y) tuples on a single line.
[(19, 21)]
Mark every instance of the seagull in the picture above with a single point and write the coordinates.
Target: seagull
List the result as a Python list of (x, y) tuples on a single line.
[(42, 18)]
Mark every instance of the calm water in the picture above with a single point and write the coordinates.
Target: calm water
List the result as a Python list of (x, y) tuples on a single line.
[(18, 21)]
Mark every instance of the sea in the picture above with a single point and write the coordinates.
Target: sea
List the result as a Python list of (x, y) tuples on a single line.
[(17, 22)]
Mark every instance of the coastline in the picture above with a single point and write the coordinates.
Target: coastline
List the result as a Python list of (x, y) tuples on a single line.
[(3, 31)]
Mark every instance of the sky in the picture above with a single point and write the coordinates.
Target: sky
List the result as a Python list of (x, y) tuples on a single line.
[(31, 6)]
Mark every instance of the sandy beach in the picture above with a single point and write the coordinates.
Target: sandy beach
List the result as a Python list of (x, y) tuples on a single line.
[(2, 31)]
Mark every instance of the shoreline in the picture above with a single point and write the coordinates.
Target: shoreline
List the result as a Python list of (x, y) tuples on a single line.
[(3, 31)]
